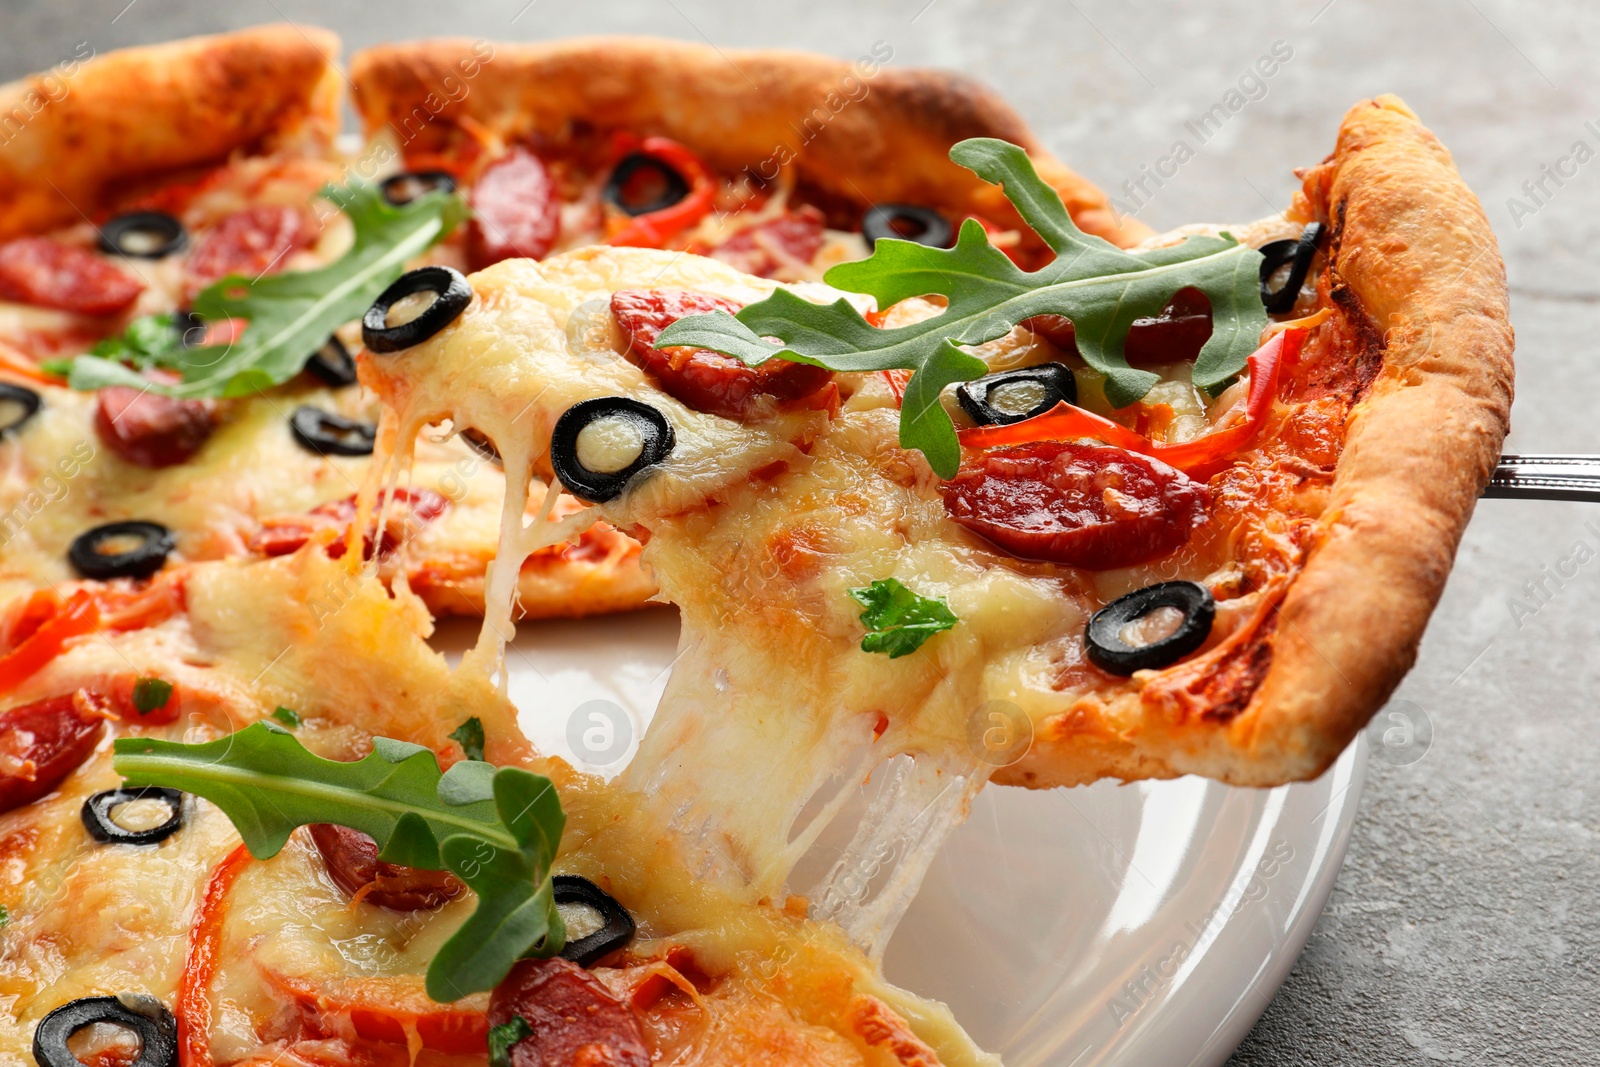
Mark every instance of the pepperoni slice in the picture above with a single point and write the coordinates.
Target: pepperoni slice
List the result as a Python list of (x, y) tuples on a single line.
[(409, 510), (352, 861), (152, 430), (1176, 333), (515, 211), (49, 274), (574, 1018), (251, 243), (43, 742), (706, 381), (1079, 503), (791, 240)]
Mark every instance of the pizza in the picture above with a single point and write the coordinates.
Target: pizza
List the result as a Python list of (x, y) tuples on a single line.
[(953, 476), (113, 256), (137, 908)]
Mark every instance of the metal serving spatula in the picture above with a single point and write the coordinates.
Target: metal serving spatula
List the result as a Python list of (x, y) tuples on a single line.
[(1546, 478)]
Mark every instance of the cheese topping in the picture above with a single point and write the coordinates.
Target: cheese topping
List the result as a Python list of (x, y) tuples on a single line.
[(609, 445), (89, 919)]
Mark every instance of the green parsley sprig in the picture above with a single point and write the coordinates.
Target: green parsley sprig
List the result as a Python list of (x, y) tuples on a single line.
[(496, 829), (1101, 288), (898, 620), (469, 735)]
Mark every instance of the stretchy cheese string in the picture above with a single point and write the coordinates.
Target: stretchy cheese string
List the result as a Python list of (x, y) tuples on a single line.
[(707, 761)]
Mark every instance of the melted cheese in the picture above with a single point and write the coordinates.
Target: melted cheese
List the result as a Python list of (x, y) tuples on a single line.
[(58, 479), (759, 568), (90, 920)]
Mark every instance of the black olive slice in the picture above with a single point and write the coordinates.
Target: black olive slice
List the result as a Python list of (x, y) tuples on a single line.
[(451, 292), (143, 1014), (403, 188), (191, 328), (155, 544), (1110, 652), (479, 442), (333, 363), (655, 442), (673, 186), (18, 404), (1014, 395), (104, 829), (618, 924), (908, 222), (328, 434), (143, 235), (1297, 253)]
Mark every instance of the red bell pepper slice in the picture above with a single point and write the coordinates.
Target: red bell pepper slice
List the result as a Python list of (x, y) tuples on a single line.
[(193, 1006), (1199, 457), (654, 228), (78, 615)]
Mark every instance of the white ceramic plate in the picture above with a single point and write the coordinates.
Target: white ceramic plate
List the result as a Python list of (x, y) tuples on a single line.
[(1147, 924)]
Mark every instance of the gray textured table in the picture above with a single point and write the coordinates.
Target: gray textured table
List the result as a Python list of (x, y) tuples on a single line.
[(1465, 926)]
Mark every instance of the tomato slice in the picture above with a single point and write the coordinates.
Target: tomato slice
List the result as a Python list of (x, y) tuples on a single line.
[(43, 742), (515, 211), (78, 615), (1077, 503), (706, 381), (48, 273)]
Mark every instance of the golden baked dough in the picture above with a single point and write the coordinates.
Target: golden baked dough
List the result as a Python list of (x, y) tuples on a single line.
[(141, 113), (870, 139)]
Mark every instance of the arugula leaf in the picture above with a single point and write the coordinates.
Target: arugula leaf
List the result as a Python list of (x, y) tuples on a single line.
[(151, 694), (495, 829), (469, 735), (5, 917), (502, 1037), (1101, 288), (290, 314), (898, 620), (287, 716)]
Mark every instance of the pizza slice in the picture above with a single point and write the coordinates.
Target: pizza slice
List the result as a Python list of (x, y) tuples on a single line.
[(133, 912), (1183, 509), (119, 222)]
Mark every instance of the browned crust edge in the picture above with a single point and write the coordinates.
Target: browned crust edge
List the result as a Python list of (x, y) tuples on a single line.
[(1412, 243), (567, 590), (140, 112), (864, 132)]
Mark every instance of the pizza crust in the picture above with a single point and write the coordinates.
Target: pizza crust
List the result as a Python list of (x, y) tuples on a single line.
[(139, 113), (737, 109), (1412, 246)]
